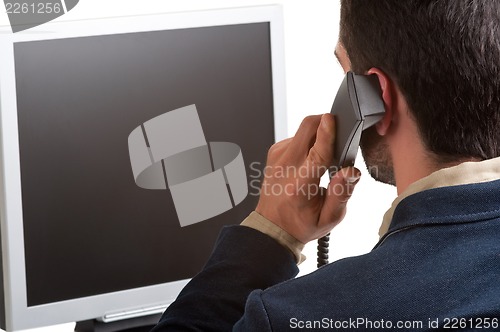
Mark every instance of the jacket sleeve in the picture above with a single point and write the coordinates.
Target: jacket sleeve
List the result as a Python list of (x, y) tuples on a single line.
[(243, 260)]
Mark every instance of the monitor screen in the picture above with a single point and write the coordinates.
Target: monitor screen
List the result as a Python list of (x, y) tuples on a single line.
[(90, 228)]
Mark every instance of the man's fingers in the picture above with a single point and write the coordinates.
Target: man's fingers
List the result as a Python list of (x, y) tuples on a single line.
[(338, 193), (277, 149), (321, 153), (305, 136)]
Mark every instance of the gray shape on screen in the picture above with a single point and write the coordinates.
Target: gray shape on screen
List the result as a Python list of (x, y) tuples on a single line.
[(205, 179)]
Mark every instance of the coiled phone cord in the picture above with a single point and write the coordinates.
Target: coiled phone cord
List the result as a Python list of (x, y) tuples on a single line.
[(323, 244)]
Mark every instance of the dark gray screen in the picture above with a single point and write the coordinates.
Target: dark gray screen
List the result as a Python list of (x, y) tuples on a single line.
[(88, 229)]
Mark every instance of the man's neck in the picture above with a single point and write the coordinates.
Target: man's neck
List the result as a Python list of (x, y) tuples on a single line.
[(419, 164)]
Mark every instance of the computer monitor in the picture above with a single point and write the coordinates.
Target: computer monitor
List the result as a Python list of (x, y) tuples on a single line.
[(84, 234)]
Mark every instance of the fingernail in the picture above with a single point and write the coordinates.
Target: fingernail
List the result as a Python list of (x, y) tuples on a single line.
[(354, 178)]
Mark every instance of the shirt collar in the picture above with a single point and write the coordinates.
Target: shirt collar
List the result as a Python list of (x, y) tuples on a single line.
[(465, 173)]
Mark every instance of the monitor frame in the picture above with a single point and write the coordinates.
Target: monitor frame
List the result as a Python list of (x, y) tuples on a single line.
[(138, 301)]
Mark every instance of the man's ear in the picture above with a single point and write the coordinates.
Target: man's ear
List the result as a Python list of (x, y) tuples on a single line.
[(386, 85)]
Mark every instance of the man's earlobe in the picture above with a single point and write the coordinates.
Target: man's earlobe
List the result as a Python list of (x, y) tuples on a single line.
[(386, 86)]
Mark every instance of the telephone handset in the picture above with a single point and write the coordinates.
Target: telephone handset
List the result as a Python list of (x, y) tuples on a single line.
[(357, 106)]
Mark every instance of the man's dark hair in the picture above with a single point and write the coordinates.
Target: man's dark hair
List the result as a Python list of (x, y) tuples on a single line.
[(445, 57)]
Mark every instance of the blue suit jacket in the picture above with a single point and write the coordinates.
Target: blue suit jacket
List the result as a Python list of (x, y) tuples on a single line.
[(439, 265)]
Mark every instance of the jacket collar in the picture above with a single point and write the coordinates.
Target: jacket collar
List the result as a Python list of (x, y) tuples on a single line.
[(460, 175)]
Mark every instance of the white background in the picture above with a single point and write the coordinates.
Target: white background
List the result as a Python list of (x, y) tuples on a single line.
[(313, 76)]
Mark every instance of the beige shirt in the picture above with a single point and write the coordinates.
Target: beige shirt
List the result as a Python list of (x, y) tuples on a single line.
[(465, 173)]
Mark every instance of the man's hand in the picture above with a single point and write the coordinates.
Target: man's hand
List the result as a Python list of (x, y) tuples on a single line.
[(291, 196)]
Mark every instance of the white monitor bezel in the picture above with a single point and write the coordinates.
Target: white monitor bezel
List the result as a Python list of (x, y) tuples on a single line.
[(17, 313)]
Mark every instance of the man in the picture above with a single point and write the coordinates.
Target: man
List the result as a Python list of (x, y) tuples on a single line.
[(438, 260)]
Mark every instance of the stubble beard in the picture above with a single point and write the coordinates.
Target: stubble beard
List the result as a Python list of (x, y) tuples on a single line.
[(377, 157)]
